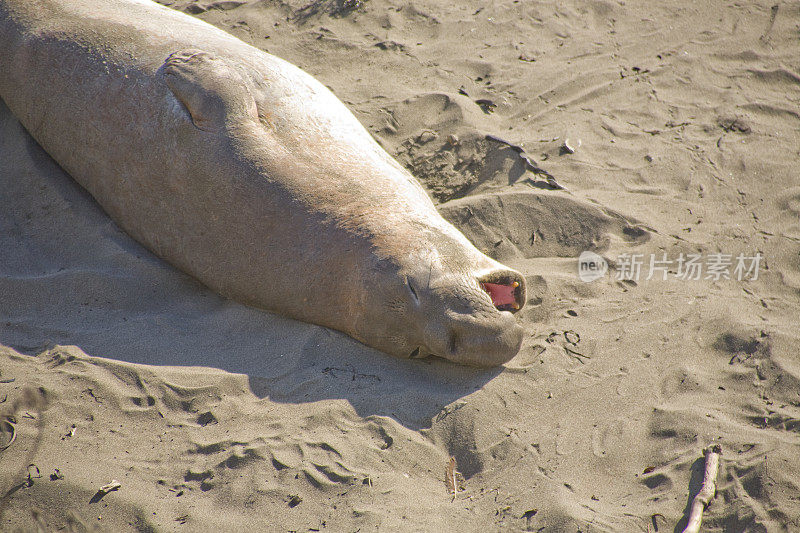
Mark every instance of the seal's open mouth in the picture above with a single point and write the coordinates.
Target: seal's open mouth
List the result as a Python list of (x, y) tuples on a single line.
[(506, 289)]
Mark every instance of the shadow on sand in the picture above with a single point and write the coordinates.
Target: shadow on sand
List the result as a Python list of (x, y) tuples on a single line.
[(69, 276)]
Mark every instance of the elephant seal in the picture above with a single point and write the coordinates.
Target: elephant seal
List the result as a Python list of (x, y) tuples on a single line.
[(245, 172)]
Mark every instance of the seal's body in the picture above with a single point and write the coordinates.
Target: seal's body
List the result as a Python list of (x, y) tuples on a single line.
[(245, 172)]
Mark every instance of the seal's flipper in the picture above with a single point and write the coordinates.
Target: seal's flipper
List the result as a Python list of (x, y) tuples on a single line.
[(212, 91)]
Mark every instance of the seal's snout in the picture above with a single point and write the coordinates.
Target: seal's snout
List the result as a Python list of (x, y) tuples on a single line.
[(473, 322), (485, 342), (506, 288), (490, 339)]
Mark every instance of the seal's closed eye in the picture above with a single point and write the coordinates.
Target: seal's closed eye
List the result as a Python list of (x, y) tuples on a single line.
[(211, 90)]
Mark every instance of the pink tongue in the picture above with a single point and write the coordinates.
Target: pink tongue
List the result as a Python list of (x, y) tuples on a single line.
[(500, 294)]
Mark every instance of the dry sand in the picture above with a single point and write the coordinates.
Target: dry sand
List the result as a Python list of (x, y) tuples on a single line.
[(217, 417)]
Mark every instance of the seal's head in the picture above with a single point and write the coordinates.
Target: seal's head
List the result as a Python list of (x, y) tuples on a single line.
[(447, 300)]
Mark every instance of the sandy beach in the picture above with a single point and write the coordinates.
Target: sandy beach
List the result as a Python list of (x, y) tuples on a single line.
[(662, 137)]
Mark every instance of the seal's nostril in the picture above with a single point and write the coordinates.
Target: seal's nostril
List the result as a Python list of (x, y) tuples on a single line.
[(415, 353)]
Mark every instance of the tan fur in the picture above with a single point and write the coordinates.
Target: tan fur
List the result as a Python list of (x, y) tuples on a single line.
[(243, 171)]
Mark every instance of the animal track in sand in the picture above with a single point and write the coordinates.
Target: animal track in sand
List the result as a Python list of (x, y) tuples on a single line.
[(147, 401), (241, 459), (59, 358), (336, 473), (204, 477), (659, 481), (214, 447)]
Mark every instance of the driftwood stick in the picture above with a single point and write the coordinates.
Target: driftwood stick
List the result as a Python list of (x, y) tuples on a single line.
[(707, 491), (12, 430)]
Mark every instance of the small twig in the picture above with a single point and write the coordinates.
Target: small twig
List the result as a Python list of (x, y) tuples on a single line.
[(707, 491), (38, 474), (114, 485), (32, 399), (452, 482), (8, 427), (105, 489)]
